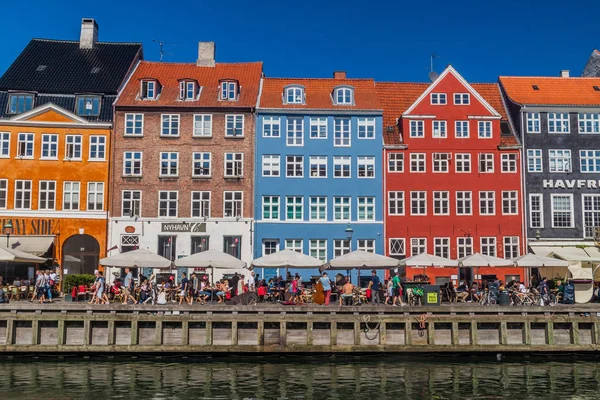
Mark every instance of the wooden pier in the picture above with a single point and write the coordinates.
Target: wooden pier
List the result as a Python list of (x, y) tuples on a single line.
[(113, 329)]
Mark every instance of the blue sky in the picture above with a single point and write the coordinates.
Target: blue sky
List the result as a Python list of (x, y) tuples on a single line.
[(385, 40)]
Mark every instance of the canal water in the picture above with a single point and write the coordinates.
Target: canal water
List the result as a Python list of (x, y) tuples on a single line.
[(420, 377)]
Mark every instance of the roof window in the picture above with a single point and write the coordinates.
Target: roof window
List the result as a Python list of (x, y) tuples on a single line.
[(596, 88), (88, 105), (41, 68), (19, 103), (535, 87), (229, 90), (149, 90), (294, 95), (95, 70), (343, 95)]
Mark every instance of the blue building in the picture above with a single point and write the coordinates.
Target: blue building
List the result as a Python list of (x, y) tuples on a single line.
[(318, 167)]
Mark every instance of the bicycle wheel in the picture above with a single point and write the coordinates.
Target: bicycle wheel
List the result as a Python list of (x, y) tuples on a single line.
[(552, 300)]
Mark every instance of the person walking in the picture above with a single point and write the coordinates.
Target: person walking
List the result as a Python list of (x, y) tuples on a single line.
[(397, 288), (184, 288), (234, 284), (326, 287), (375, 285), (128, 288)]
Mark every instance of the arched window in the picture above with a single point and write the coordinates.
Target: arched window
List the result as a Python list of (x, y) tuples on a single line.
[(344, 95), (294, 95)]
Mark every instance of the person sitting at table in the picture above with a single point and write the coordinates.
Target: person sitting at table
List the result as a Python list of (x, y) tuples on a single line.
[(262, 291), (3, 298), (17, 282), (474, 292), (347, 293), (462, 287)]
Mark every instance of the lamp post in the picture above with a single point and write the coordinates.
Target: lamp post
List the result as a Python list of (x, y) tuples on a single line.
[(8, 228), (349, 231)]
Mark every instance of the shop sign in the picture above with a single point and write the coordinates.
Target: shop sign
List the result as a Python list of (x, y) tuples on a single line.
[(37, 226), (183, 227), (130, 229), (571, 184), (432, 298)]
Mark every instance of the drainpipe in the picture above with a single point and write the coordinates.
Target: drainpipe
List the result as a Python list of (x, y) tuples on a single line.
[(524, 195)]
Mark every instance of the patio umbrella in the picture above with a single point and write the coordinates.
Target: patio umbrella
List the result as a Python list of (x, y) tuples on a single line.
[(361, 259), (212, 259), (17, 256), (289, 259), (140, 258), (531, 260), (428, 260)]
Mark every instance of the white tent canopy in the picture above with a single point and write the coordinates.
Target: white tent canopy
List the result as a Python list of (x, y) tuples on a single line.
[(481, 260), (362, 259), (287, 259), (17, 256), (428, 260), (535, 261), (210, 259), (140, 258)]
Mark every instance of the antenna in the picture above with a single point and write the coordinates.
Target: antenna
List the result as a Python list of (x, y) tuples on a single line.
[(432, 74), (162, 45)]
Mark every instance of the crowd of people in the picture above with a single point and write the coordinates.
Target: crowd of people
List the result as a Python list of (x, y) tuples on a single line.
[(41, 288)]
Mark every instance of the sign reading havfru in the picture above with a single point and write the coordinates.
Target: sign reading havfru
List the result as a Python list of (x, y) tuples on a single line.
[(571, 183), (184, 227)]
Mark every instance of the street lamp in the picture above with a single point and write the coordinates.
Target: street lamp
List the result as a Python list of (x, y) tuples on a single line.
[(8, 228), (349, 231)]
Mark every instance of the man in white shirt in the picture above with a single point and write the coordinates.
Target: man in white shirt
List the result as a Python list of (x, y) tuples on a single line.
[(522, 288), (250, 282)]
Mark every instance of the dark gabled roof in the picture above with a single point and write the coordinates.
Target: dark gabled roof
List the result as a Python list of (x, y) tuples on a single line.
[(69, 69), (592, 68)]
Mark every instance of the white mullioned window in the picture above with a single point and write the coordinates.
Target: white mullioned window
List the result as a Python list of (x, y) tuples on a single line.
[(438, 98), (366, 167), (462, 99), (589, 123), (441, 162), (562, 210), (294, 95), (318, 127), (187, 90), (341, 208), (167, 203), (397, 247), (234, 165), (148, 90), (418, 246), (170, 125), (441, 247), (22, 195), (5, 144), (535, 160), (418, 203), (294, 245), (132, 163), (366, 128), (367, 245), (464, 203), (271, 165), (462, 163), (200, 204), (509, 163), (134, 124), (318, 208), (131, 203), (271, 127), (318, 166), (318, 249), (417, 129), (294, 166), (270, 246), (50, 146), (25, 145), (464, 246), (169, 164), (366, 208), (271, 208), (510, 202), (201, 165), (95, 196), (589, 161), (441, 203), (558, 123), (533, 123), (395, 162), (485, 129), (591, 215), (461, 129), (559, 160), (511, 247), (488, 245), (395, 203), (47, 195), (234, 125), (341, 247), (486, 163), (344, 96), (294, 208), (342, 166), (342, 134), (233, 204), (73, 144), (97, 148), (487, 203), (536, 210), (439, 130), (229, 91), (295, 131), (71, 192), (202, 125), (417, 162)]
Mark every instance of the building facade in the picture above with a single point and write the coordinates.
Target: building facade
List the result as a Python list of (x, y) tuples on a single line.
[(452, 179), (318, 167), (55, 137), (182, 171)]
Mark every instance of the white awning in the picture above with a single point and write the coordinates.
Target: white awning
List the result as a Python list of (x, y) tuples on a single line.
[(569, 253), (13, 255), (536, 261), (361, 259), (482, 260), (287, 259), (428, 260), (211, 259), (36, 245), (136, 258)]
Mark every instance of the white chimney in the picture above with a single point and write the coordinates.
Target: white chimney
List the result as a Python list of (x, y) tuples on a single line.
[(89, 33), (206, 54), (564, 73)]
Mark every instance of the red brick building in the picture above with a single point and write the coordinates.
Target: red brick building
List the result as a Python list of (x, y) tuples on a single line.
[(453, 180)]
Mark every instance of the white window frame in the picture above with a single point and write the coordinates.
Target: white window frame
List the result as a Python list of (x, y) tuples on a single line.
[(511, 196), (540, 211), (318, 248), (571, 210), (367, 245), (292, 201), (70, 190), (95, 190), (364, 163), (417, 128), (418, 160), (229, 91), (341, 247), (441, 200), (589, 123), (294, 245), (129, 124), (319, 203), (345, 163), (487, 198), (463, 160), (464, 200), (170, 161), (271, 165), (589, 159), (346, 94), (488, 159), (233, 123), (294, 131), (26, 191), (98, 142), (150, 93), (50, 195), (318, 127), (439, 129), (345, 207), (235, 163), (508, 163), (419, 196), (270, 246), (168, 201), (320, 164), (5, 145), (201, 157), (535, 159), (203, 124), (366, 128), (560, 161), (296, 93), (557, 124), (464, 246), (298, 166), (395, 162), (438, 99), (134, 202), (271, 127), (396, 202), (441, 247), (488, 243), (269, 203), (594, 215), (462, 99), (397, 246), (133, 161), (76, 143), (173, 122), (440, 163), (459, 130), (533, 122), (366, 203), (342, 132), (236, 204), (485, 130), (418, 245), (29, 141), (203, 203), (49, 144), (511, 250)]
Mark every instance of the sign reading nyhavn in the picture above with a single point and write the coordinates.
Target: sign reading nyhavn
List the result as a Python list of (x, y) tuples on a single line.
[(183, 227)]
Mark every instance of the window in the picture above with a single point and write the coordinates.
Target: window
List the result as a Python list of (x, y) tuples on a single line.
[(441, 247), (341, 209), (97, 148), (294, 245), (341, 247), (485, 129), (167, 203), (187, 90), (199, 244), (591, 215), (202, 125), (395, 162), (129, 243), (47, 195), (3, 193), (318, 127), (562, 211), (464, 203), (440, 162), (73, 147), (509, 162), (270, 165), (487, 203), (418, 246), (294, 166), (132, 163), (167, 247), (418, 203), (341, 167), (536, 211), (271, 127), (462, 163), (318, 208), (534, 160), (486, 163), (589, 123), (233, 204), (131, 203), (201, 204), (88, 105), (169, 164), (294, 95), (294, 208), (344, 96), (95, 196), (438, 98), (461, 99), (397, 247), (366, 208), (201, 165), (366, 128), (50, 147), (396, 203), (19, 103), (295, 131), (318, 249), (441, 203), (367, 245), (464, 246), (559, 160), (533, 123), (22, 195), (25, 145), (318, 166), (134, 124), (270, 246), (229, 91), (5, 144), (71, 196), (366, 167), (232, 245), (488, 246), (589, 160), (558, 123), (341, 132), (270, 208), (511, 247), (170, 125), (417, 162), (234, 125), (439, 129), (461, 129), (148, 90), (234, 165), (509, 202), (417, 129)]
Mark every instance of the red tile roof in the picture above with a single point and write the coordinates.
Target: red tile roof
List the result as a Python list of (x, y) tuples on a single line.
[(552, 90), (168, 74), (319, 92)]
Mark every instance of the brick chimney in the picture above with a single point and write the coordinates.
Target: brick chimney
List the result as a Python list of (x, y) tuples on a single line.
[(206, 54), (339, 74), (89, 33), (564, 73)]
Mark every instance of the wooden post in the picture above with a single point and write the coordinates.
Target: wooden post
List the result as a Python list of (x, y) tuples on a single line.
[(87, 332), (309, 333), (575, 332), (596, 336), (430, 332), (527, 333), (261, 333), (408, 332), (282, 332), (185, 332), (503, 333), (158, 331), (209, 333), (134, 332), (35, 332), (333, 334), (382, 333), (234, 333), (10, 331), (549, 333), (60, 336), (111, 332), (455, 334), (473, 333), (356, 333)]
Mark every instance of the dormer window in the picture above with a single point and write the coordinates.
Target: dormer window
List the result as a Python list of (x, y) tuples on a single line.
[(187, 90), (294, 95), (438, 98), (20, 102), (343, 96), (88, 105), (229, 90), (149, 90)]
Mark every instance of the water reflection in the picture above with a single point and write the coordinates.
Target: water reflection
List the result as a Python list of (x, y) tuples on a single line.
[(321, 378)]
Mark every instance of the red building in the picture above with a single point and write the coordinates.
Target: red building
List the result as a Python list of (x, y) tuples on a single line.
[(453, 178)]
